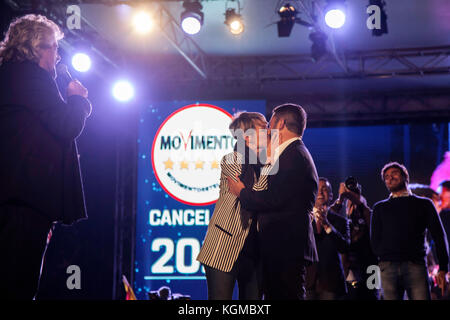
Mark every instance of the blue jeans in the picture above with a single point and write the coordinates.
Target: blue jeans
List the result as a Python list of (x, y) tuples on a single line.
[(398, 277)]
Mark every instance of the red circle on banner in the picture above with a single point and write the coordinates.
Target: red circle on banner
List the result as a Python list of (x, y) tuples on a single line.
[(153, 149)]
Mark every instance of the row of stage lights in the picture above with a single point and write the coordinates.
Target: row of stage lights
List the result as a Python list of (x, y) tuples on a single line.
[(191, 21), (192, 17)]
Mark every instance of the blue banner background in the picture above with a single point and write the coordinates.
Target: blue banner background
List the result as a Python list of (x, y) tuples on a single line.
[(152, 196)]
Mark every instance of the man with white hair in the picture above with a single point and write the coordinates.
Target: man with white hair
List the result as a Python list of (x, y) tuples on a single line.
[(39, 168)]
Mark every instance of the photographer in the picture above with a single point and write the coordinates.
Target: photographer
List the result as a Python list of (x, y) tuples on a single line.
[(359, 256)]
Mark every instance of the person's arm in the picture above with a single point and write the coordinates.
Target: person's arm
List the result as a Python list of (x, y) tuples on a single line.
[(231, 164), (337, 206), (366, 212), (283, 186), (375, 231), (38, 92), (438, 234), (280, 189), (339, 229)]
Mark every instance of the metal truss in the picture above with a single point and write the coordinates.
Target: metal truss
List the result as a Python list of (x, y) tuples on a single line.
[(358, 65), (382, 108), (185, 46), (56, 10), (125, 199)]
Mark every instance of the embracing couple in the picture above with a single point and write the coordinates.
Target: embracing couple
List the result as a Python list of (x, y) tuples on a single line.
[(260, 234)]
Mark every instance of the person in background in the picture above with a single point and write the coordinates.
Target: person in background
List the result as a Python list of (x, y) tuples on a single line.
[(359, 256), (398, 227), (426, 192), (325, 279), (445, 206), (445, 216)]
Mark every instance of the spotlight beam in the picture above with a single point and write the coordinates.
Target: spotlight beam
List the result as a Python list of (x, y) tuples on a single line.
[(309, 8), (170, 28), (303, 22), (54, 12), (184, 44)]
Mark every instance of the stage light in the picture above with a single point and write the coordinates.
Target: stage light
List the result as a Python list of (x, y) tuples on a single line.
[(234, 21), (81, 62), (191, 25), (192, 17), (123, 91), (288, 15), (335, 14), (335, 18), (142, 22), (319, 46)]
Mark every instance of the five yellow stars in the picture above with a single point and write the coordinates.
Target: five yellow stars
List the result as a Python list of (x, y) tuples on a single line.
[(185, 164)]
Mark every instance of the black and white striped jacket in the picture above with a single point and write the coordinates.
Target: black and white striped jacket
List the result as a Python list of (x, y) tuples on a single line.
[(227, 231)]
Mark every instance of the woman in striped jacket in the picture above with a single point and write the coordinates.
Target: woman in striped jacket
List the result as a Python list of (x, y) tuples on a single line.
[(230, 250)]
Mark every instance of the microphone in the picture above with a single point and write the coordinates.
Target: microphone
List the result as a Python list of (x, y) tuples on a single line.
[(63, 79), (63, 73)]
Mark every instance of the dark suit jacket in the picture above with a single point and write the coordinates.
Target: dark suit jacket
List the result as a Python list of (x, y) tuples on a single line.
[(328, 273), (283, 209), (39, 164), (445, 219)]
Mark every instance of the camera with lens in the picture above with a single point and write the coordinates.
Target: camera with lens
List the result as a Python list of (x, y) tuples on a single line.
[(352, 184)]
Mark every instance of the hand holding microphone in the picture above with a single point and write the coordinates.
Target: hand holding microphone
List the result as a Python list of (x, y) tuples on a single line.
[(74, 87)]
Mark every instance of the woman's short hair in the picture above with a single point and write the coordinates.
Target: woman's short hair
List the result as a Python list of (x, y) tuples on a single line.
[(242, 121), (24, 37)]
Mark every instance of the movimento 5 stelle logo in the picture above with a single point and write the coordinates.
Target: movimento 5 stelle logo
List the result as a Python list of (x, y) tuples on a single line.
[(187, 150)]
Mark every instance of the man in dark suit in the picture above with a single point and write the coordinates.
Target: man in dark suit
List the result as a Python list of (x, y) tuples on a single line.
[(325, 280), (283, 210), (40, 180)]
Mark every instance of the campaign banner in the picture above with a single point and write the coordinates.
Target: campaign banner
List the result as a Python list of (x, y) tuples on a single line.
[(180, 146)]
